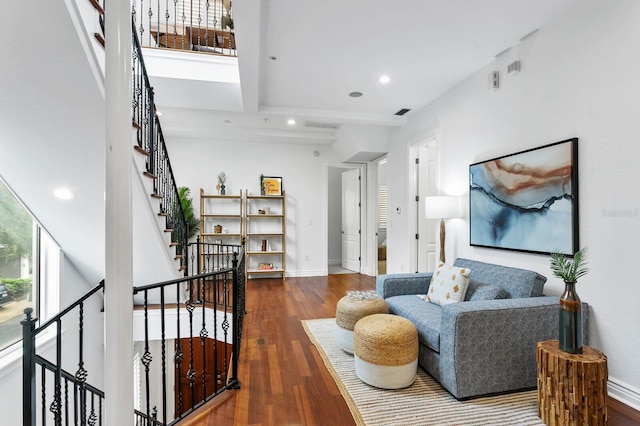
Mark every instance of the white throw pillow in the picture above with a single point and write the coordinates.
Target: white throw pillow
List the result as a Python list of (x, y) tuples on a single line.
[(448, 284)]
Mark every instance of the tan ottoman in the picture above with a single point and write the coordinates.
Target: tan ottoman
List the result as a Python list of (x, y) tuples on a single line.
[(386, 351), (351, 308)]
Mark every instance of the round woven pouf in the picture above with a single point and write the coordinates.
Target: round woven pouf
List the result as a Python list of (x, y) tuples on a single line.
[(386, 351), (349, 311)]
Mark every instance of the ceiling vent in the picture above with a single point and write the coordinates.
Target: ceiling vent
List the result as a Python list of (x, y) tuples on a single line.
[(403, 111), (321, 125)]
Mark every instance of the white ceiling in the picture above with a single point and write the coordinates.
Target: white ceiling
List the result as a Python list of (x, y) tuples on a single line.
[(325, 50)]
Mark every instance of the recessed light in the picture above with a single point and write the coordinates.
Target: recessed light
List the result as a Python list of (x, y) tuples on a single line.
[(355, 94), (64, 194), (226, 121), (291, 122), (384, 79)]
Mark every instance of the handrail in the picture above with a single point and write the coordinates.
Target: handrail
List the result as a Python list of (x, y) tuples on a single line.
[(151, 140), (68, 309)]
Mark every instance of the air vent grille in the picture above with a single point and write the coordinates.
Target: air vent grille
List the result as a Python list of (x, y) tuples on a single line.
[(403, 111), (321, 125)]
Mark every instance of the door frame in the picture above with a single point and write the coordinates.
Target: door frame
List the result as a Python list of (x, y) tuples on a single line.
[(412, 217), (365, 238)]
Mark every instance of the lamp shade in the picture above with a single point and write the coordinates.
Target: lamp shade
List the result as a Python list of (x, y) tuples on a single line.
[(442, 207)]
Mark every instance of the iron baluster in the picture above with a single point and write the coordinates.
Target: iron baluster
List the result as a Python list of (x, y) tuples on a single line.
[(191, 373), (28, 369), (56, 404), (164, 357), (178, 355), (146, 357)]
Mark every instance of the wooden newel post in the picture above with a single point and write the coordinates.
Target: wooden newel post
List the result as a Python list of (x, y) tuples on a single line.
[(572, 388)]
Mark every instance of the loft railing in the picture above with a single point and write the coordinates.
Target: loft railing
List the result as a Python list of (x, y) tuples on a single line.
[(151, 142), (197, 354), (195, 25), (63, 397), (180, 328)]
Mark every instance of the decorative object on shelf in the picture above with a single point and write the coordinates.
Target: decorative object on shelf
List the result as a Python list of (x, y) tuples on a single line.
[(272, 185), (442, 207), (570, 323), (186, 202), (217, 229), (265, 266), (222, 178), (261, 184), (261, 211), (533, 189)]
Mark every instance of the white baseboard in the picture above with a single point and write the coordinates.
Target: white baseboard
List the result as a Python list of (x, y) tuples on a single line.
[(624, 393), (334, 262), (306, 273)]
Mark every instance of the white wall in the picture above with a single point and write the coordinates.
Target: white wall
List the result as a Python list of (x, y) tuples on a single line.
[(197, 163), (334, 221), (580, 79)]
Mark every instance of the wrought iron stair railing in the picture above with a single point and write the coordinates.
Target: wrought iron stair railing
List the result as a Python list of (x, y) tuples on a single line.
[(151, 142), (177, 318), (188, 25), (84, 406)]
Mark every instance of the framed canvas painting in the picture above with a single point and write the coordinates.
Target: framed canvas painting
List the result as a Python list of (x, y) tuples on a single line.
[(527, 201)]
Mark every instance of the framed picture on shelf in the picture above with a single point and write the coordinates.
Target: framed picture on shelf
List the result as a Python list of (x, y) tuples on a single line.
[(527, 201), (272, 185)]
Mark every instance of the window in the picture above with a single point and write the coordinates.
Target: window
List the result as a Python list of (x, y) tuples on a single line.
[(29, 258), (382, 206)]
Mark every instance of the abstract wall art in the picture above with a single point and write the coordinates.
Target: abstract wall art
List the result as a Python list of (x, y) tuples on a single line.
[(527, 201)]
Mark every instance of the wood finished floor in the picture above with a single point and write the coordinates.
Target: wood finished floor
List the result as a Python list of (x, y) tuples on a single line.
[(283, 379)]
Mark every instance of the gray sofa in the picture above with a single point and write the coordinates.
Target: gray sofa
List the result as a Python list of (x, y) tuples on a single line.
[(487, 343)]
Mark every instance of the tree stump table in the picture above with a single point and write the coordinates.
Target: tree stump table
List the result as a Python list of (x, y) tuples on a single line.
[(572, 388)]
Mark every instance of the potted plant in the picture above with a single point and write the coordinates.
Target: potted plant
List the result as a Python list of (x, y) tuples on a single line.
[(570, 269), (222, 178), (193, 223)]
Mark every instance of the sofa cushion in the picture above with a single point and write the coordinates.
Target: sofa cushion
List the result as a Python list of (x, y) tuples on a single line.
[(515, 282), (424, 315), (481, 291), (448, 284)]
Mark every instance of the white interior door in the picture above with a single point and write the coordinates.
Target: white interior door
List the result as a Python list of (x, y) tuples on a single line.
[(351, 220), (426, 186)]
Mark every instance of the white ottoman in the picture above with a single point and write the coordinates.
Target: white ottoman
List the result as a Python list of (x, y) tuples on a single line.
[(386, 351), (350, 309)]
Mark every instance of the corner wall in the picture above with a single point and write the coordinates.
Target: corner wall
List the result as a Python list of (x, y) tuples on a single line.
[(580, 79)]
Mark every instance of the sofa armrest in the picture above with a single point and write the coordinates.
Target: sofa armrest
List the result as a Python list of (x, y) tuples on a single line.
[(490, 346), (402, 284)]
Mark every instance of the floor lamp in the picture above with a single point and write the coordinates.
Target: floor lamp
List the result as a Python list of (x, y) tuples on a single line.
[(442, 207)]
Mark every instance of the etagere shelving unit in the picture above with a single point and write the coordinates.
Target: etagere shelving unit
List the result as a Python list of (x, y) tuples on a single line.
[(265, 235), (221, 222)]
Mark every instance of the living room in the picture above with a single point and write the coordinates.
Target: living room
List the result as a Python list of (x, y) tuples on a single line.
[(577, 79)]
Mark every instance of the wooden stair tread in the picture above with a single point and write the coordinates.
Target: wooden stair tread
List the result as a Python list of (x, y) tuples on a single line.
[(97, 6), (99, 37), (149, 175), (158, 196), (140, 150)]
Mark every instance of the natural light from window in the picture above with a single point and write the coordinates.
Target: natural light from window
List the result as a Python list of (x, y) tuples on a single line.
[(24, 246)]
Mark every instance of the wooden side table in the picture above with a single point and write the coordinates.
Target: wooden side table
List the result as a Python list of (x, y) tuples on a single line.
[(572, 388)]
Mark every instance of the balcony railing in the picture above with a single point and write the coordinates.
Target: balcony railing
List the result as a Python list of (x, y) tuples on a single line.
[(187, 351), (193, 25)]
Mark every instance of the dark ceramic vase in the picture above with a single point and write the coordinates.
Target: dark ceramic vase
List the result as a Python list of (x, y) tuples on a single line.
[(570, 324)]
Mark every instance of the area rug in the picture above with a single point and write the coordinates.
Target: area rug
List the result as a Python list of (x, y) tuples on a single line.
[(425, 402)]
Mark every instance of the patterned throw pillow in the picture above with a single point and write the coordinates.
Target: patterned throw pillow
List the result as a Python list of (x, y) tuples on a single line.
[(448, 284)]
